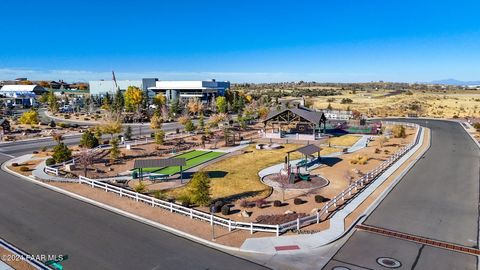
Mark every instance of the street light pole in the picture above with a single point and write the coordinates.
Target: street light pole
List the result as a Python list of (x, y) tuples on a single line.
[(212, 210)]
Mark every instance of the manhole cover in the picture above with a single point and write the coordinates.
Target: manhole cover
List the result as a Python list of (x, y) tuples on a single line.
[(389, 262)]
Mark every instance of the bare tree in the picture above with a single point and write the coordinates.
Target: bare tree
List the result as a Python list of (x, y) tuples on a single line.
[(86, 159)]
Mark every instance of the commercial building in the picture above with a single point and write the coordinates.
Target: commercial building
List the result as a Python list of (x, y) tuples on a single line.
[(103, 87), (21, 95), (204, 90)]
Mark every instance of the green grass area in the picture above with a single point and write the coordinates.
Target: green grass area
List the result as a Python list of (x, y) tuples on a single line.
[(193, 158)]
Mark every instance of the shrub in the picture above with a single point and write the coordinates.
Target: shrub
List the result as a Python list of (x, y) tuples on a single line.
[(399, 131), (226, 210), (140, 187), (50, 161), (277, 203), (35, 152), (106, 142), (243, 203), (346, 101), (15, 164), (477, 125), (359, 159), (185, 200), (44, 149), (260, 203), (86, 119), (377, 151), (386, 151), (64, 125), (157, 194), (24, 169), (67, 116), (297, 201), (319, 198)]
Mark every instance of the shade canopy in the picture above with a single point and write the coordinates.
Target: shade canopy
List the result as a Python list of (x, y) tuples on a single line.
[(307, 149), (157, 163)]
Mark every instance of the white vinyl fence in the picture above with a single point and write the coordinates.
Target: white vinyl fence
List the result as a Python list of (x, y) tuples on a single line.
[(256, 227)]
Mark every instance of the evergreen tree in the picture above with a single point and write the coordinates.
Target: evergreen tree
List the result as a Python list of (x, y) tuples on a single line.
[(61, 153), (199, 188), (88, 140)]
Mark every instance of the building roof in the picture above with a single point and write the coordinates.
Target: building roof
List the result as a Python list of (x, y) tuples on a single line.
[(158, 163), (307, 149), (22, 88), (307, 114)]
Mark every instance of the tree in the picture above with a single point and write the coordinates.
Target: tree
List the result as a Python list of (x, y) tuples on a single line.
[(199, 188), (61, 153), (118, 102), (112, 128), (114, 151), (88, 140), (25, 82), (133, 98), (159, 100), (156, 121), (44, 84), (174, 107), (52, 100), (262, 112), (86, 159), (194, 106), (128, 133), (201, 122), (43, 98), (106, 102), (52, 124), (189, 126), (329, 107), (159, 137), (221, 103), (29, 117)]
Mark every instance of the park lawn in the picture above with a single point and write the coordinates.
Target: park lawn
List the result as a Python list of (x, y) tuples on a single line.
[(186, 155), (345, 140), (241, 179), (192, 162)]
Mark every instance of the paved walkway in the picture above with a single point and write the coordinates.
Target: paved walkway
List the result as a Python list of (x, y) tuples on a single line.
[(360, 144), (337, 228)]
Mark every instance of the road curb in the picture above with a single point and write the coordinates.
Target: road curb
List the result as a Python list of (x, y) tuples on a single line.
[(126, 214)]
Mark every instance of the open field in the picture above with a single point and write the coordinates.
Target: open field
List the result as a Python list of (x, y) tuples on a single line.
[(380, 103), (346, 140)]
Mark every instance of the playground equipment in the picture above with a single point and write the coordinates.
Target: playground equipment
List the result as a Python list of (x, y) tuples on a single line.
[(308, 152)]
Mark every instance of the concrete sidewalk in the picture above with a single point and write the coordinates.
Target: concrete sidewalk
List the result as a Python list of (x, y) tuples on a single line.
[(305, 242)]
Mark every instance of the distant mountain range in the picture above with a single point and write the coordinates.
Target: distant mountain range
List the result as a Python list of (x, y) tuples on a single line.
[(455, 82)]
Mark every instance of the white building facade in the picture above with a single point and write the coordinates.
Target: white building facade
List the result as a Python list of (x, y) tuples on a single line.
[(203, 90), (21, 95)]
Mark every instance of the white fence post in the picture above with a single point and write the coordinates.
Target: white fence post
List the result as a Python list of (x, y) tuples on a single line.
[(153, 202), (298, 223), (229, 225), (251, 227), (136, 197), (211, 219), (278, 230), (191, 214), (171, 207), (318, 217)]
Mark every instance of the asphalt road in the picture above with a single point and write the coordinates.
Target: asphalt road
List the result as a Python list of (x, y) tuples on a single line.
[(438, 199), (26, 147), (41, 221)]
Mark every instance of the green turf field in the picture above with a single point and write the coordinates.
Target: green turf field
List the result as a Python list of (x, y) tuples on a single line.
[(193, 158)]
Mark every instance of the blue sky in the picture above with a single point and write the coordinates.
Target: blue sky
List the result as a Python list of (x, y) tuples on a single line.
[(256, 41)]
